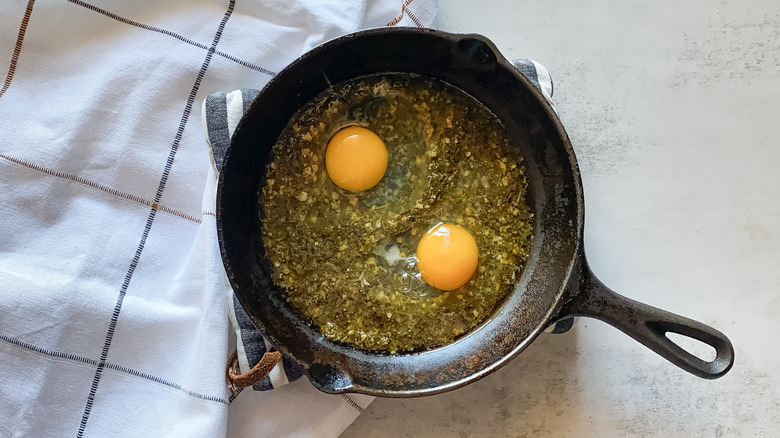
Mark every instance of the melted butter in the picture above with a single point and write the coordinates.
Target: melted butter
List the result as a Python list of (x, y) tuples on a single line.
[(346, 260)]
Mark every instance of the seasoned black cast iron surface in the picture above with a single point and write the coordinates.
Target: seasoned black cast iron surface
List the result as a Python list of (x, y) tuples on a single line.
[(556, 283)]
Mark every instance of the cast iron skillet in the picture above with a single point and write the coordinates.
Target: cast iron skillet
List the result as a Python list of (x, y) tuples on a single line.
[(556, 284)]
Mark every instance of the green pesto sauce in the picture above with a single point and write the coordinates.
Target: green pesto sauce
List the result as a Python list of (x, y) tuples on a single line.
[(335, 253)]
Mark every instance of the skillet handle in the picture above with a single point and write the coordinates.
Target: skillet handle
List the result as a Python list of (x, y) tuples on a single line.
[(649, 326)]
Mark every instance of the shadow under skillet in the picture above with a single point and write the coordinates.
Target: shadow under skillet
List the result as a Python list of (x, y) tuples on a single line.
[(537, 384)]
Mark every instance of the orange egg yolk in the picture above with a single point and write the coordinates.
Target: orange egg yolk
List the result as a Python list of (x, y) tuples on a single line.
[(447, 256), (356, 159)]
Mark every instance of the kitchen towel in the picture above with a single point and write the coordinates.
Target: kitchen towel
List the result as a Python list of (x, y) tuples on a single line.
[(113, 318), (221, 113)]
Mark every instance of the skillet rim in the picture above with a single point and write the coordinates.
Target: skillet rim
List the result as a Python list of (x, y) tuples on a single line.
[(574, 260)]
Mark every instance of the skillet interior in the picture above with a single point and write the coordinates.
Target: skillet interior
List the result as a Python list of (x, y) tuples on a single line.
[(471, 63)]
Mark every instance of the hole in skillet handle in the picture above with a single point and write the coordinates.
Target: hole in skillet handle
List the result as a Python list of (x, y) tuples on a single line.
[(696, 347), (650, 325)]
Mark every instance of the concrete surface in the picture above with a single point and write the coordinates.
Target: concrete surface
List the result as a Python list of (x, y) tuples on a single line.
[(673, 111)]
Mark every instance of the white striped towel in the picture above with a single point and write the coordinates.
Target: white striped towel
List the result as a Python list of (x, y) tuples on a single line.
[(113, 319)]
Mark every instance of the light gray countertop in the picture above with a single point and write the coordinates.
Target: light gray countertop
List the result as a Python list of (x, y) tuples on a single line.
[(673, 111)]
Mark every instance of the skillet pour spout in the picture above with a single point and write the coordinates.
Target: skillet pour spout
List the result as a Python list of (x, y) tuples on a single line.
[(556, 282)]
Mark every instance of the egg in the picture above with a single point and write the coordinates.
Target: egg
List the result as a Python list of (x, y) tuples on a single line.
[(447, 256), (356, 159)]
